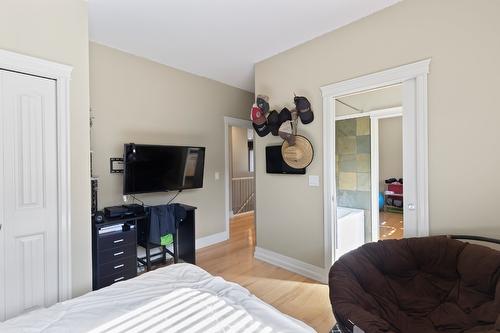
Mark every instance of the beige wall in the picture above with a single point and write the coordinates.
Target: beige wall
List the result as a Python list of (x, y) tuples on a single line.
[(137, 100), (57, 30), (390, 140), (461, 37), (239, 152)]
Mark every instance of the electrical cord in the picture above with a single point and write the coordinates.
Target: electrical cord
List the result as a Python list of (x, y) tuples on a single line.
[(144, 205), (175, 196), (135, 198)]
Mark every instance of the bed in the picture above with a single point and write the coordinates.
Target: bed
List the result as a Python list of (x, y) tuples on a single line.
[(176, 298)]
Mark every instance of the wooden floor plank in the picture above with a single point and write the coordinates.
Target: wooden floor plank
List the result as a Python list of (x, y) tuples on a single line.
[(293, 294), (391, 225)]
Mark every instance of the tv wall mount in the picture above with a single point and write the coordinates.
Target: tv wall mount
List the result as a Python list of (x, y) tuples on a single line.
[(116, 165)]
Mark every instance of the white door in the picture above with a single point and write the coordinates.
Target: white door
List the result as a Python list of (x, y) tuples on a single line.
[(28, 193)]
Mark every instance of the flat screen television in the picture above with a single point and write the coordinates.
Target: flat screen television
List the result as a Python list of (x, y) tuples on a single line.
[(153, 168), (276, 164)]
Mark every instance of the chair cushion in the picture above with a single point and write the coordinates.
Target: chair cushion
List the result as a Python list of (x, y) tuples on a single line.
[(430, 284)]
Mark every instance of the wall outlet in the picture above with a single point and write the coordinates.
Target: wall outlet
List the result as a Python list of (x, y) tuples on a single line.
[(314, 181)]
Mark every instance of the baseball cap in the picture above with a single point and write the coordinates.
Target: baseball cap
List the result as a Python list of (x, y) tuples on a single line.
[(261, 130), (304, 108), (273, 122), (284, 115), (257, 115), (263, 103)]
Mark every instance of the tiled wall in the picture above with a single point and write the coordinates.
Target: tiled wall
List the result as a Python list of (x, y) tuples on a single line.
[(352, 158)]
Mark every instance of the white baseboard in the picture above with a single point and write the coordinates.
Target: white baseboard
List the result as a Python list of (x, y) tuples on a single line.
[(211, 240), (292, 265)]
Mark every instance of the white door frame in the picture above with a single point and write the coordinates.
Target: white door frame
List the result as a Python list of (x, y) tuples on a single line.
[(230, 122), (416, 73), (375, 163), (375, 116), (61, 74)]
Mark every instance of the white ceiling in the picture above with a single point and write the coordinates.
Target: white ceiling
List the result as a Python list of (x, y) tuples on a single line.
[(219, 39)]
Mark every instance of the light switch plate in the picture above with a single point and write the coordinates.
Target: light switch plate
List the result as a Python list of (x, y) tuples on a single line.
[(217, 175), (314, 181)]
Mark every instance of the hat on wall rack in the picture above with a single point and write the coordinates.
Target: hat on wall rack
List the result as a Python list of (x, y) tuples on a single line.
[(257, 115), (262, 102), (262, 130), (303, 107), (284, 115), (286, 132), (273, 122), (299, 155), (259, 121)]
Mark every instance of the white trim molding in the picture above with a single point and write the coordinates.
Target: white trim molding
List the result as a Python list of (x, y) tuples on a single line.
[(375, 176), (422, 155), (230, 122), (30, 65), (62, 75), (377, 80), (293, 265), (211, 240), (415, 75)]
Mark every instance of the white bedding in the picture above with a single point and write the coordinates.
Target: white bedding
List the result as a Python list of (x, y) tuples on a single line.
[(176, 298)]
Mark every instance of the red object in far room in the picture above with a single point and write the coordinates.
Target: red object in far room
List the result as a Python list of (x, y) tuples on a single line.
[(397, 188), (394, 198)]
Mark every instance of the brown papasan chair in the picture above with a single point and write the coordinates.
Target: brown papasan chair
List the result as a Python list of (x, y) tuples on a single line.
[(417, 285)]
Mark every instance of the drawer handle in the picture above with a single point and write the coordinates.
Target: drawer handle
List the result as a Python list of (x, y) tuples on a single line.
[(118, 241), (119, 279), (118, 253), (119, 266)]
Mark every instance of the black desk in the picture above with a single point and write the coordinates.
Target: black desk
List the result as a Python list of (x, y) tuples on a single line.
[(114, 248), (184, 239)]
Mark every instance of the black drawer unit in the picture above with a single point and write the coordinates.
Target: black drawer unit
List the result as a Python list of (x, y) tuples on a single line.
[(117, 277), (118, 253), (118, 266), (115, 239), (114, 250)]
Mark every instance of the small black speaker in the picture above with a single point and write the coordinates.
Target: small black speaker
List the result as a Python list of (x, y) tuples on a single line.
[(99, 217)]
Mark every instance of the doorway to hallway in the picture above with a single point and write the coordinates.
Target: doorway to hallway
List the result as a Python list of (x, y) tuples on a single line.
[(413, 81), (239, 171)]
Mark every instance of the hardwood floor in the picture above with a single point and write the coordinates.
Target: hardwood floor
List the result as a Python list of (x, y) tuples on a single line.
[(391, 225), (293, 294)]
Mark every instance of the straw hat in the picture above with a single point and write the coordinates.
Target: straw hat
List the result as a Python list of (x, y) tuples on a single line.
[(300, 155)]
